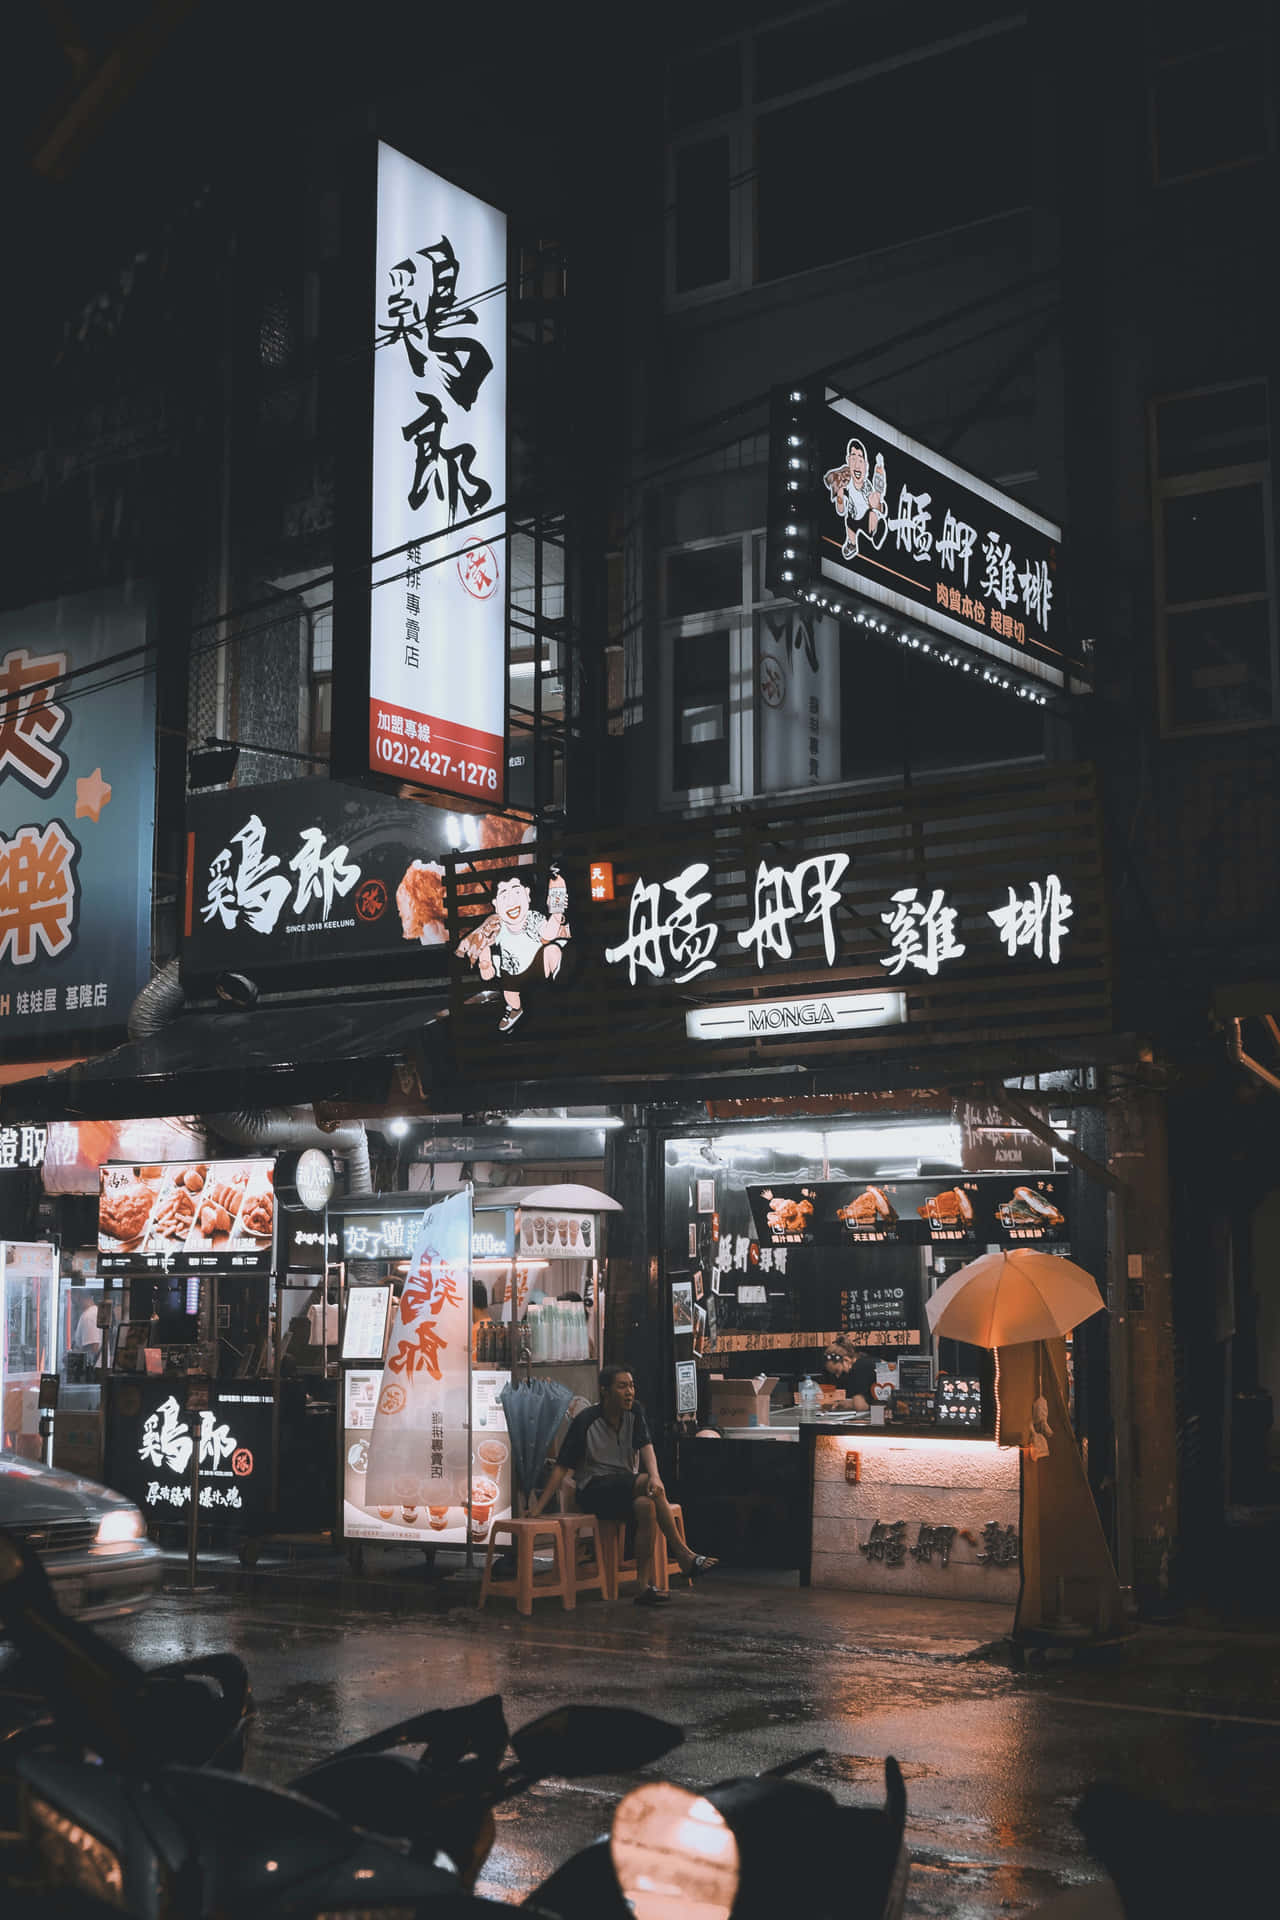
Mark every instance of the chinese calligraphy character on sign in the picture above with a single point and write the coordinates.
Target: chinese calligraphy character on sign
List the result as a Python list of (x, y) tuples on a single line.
[(683, 937), (217, 1443), (1000, 575), (321, 875), (1037, 921), (924, 936), (37, 892), (911, 528), (30, 721), (1037, 592), (256, 890), (956, 543), (166, 1441), (436, 350), (780, 897)]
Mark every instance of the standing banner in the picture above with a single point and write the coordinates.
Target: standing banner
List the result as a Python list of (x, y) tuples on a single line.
[(420, 1438)]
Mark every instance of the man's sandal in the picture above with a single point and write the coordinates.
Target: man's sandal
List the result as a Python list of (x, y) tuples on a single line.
[(700, 1564)]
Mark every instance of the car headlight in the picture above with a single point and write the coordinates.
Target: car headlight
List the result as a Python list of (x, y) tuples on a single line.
[(72, 1856), (121, 1524)]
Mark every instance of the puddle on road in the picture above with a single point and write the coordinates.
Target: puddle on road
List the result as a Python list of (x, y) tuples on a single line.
[(754, 1717), (859, 1767)]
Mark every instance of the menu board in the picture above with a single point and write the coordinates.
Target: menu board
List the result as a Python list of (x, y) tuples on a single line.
[(364, 1332), (192, 1216), (958, 1402), (868, 1309), (977, 1210), (557, 1236)]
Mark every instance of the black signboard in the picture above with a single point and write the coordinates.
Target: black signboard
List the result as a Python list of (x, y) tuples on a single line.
[(870, 1309), (305, 1244), (861, 506), (968, 1213), (311, 874), (187, 1216), (153, 1430)]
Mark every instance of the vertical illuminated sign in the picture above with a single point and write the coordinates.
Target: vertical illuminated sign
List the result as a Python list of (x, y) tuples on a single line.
[(437, 700)]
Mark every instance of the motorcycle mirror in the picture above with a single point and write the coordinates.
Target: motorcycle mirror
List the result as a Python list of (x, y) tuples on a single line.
[(581, 1740), (674, 1855)]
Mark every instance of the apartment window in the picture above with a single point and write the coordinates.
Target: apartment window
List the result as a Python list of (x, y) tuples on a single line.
[(838, 132), (320, 682), (1214, 552), (1210, 108), (750, 685)]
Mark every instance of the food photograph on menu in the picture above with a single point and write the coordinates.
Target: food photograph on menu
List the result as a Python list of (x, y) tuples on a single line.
[(203, 1214)]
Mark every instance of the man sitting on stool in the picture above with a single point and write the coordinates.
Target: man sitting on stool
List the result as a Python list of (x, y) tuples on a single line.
[(609, 1451)]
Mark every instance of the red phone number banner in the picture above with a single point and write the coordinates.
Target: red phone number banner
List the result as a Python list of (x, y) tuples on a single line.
[(455, 758)]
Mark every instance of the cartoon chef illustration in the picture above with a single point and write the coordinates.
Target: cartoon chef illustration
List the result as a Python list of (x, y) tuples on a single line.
[(516, 944), (858, 497)]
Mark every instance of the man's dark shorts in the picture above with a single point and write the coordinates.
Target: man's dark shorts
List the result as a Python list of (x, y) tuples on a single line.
[(610, 1496)]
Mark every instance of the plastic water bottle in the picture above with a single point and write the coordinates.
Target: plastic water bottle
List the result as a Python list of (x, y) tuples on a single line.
[(809, 1397)]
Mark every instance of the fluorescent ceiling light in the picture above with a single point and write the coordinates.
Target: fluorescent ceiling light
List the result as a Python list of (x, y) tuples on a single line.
[(564, 1122)]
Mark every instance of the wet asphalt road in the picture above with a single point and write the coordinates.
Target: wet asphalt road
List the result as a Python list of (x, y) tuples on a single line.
[(994, 1759)]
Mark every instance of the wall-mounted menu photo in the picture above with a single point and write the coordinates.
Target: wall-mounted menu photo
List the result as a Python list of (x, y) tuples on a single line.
[(207, 1216)]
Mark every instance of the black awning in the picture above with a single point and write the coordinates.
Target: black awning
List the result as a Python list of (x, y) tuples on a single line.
[(218, 1060)]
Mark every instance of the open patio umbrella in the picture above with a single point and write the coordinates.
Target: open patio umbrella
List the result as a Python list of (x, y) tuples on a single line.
[(1004, 1299), (534, 1410)]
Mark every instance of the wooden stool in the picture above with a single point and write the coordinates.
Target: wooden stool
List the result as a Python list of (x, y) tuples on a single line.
[(590, 1577), (526, 1586)]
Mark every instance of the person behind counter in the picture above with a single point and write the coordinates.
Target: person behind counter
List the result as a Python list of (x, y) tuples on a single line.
[(609, 1451), (852, 1370)]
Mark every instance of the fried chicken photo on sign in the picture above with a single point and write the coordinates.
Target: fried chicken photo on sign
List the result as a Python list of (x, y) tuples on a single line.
[(421, 904), (124, 1213), (871, 1208), (950, 1209)]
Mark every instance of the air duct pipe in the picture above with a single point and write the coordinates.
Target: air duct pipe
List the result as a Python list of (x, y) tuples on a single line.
[(279, 1129), (156, 1004)]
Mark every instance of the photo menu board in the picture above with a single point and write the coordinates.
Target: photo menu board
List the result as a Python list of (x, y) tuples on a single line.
[(189, 1216), (974, 1211)]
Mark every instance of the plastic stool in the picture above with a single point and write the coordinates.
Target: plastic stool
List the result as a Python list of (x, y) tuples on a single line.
[(591, 1577), (526, 1586)]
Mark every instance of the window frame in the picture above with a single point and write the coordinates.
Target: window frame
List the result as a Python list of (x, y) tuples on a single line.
[(741, 126), (1165, 63), (1186, 486)]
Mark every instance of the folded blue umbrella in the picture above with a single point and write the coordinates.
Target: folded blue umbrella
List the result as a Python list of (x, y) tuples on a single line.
[(533, 1410)]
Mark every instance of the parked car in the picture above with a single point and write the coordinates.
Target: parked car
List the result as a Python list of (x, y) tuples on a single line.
[(92, 1542)]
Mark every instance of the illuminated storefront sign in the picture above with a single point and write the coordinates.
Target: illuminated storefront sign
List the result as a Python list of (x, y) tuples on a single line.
[(22, 1146), (77, 808), (671, 931), (837, 1012), (873, 527), (437, 689)]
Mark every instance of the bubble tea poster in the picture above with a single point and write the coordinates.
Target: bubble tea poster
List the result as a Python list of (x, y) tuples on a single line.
[(419, 1443)]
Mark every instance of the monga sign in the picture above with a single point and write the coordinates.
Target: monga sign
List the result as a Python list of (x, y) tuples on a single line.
[(839, 1012)]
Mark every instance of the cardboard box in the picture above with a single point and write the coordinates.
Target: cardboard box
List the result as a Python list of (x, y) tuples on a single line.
[(742, 1403)]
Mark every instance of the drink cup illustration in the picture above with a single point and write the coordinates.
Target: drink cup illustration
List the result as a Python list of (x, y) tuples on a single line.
[(563, 1229), (484, 1493), (409, 1515), (386, 1513), (437, 1518), (573, 1233), (492, 1454), (539, 1229)]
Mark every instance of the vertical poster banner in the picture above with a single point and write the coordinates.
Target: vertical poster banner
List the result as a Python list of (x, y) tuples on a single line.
[(419, 1441), (437, 630), (77, 818)]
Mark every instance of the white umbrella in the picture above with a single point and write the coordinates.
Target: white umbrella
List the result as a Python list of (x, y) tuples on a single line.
[(1004, 1299)]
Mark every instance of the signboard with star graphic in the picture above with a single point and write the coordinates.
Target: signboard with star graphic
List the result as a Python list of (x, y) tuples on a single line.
[(77, 817)]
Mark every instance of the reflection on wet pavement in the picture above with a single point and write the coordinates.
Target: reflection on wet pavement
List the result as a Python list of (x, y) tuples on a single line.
[(994, 1760)]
